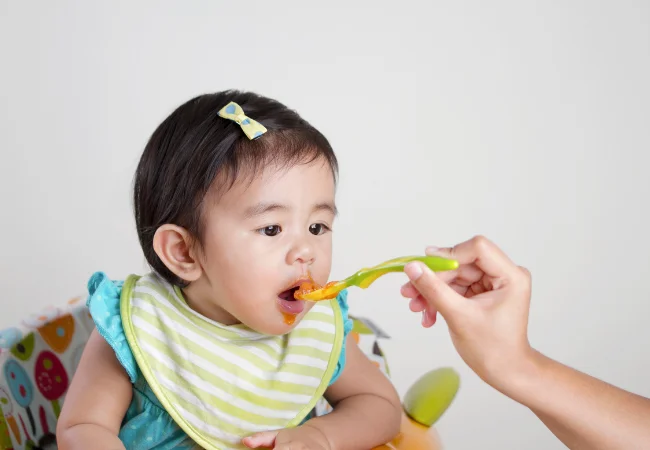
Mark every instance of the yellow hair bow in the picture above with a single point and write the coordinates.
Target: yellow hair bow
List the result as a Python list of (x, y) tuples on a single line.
[(234, 112)]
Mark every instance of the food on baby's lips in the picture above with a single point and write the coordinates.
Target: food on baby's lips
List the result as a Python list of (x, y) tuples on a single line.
[(290, 306), (307, 288)]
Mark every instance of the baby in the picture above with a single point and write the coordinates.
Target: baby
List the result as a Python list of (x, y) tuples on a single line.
[(234, 200)]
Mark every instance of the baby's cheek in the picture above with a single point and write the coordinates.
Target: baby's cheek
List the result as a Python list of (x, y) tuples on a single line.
[(322, 268), (320, 273), (234, 265), (249, 284)]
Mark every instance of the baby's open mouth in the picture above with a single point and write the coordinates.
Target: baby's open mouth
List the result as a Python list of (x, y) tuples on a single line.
[(287, 302), (288, 295)]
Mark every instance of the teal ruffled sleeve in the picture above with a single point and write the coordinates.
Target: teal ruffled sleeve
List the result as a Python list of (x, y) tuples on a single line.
[(104, 305), (146, 424), (342, 300)]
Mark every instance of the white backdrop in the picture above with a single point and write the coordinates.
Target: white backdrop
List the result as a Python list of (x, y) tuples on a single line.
[(524, 121)]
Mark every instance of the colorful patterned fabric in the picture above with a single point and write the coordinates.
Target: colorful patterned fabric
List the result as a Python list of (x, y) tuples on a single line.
[(37, 360)]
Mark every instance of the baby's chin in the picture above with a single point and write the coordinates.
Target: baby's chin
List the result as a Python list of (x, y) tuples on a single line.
[(278, 323)]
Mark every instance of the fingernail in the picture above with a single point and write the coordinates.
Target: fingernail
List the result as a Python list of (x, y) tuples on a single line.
[(432, 249), (413, 271), (424, 318)]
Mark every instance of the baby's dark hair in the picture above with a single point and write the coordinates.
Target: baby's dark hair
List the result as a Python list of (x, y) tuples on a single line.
[(194, 145)]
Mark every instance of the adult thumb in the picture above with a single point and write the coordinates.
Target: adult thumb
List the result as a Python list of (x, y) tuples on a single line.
[(435, 291)]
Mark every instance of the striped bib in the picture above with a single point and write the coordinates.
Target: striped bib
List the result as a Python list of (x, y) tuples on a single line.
[(222, 383)]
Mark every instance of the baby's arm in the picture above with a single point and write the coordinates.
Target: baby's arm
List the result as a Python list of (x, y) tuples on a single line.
[(367, 412), (367, 409), (96, 402)]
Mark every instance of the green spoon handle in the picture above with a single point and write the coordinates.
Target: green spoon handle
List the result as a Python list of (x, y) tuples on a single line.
[(435, 263), (365, 277)]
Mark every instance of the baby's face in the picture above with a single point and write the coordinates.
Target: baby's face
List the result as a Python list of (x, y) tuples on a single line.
[(262, 238)]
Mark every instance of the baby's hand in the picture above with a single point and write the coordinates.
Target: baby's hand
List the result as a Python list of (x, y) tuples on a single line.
[(301, 438)]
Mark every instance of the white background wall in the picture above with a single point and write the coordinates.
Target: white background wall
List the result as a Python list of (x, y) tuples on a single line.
[(524, 121)]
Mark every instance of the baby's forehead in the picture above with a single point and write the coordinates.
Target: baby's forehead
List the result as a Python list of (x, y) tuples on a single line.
[(296, 186)]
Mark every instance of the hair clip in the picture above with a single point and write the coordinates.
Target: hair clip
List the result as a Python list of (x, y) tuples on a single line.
[(252, 129)]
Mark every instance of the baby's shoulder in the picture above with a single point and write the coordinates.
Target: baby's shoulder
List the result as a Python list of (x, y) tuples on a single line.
[(103, 303)]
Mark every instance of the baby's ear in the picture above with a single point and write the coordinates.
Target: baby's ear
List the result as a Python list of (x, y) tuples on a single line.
[(174, 246)]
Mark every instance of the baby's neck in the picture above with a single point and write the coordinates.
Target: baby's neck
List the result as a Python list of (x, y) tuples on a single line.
[(197, 299)]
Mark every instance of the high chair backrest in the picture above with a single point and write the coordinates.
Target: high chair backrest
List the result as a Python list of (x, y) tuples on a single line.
[(37, 360)]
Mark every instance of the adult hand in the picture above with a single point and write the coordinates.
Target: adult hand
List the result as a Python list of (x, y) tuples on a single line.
[(485, 303)]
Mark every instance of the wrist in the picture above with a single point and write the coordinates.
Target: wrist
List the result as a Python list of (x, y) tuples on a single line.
[(323, 437), (512, 370), (522, 376)]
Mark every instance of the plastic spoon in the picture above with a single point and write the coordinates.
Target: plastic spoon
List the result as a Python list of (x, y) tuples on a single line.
[(365, 277)]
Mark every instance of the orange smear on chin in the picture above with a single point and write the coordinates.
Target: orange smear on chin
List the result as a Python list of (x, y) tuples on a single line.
[(289, 319)]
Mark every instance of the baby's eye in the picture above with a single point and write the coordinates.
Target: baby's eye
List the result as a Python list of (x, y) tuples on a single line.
[(318, 228), (271, 230)]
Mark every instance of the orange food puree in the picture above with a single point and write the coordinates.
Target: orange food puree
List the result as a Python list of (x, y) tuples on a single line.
[(310, 286), (305, 288), (289, 319)]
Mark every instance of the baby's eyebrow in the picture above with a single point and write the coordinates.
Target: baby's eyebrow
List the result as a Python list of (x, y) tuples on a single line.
[(326, 207), (263, 208)]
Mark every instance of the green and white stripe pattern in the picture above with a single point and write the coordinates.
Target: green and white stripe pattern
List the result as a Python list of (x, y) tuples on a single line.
[(222, 383)]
